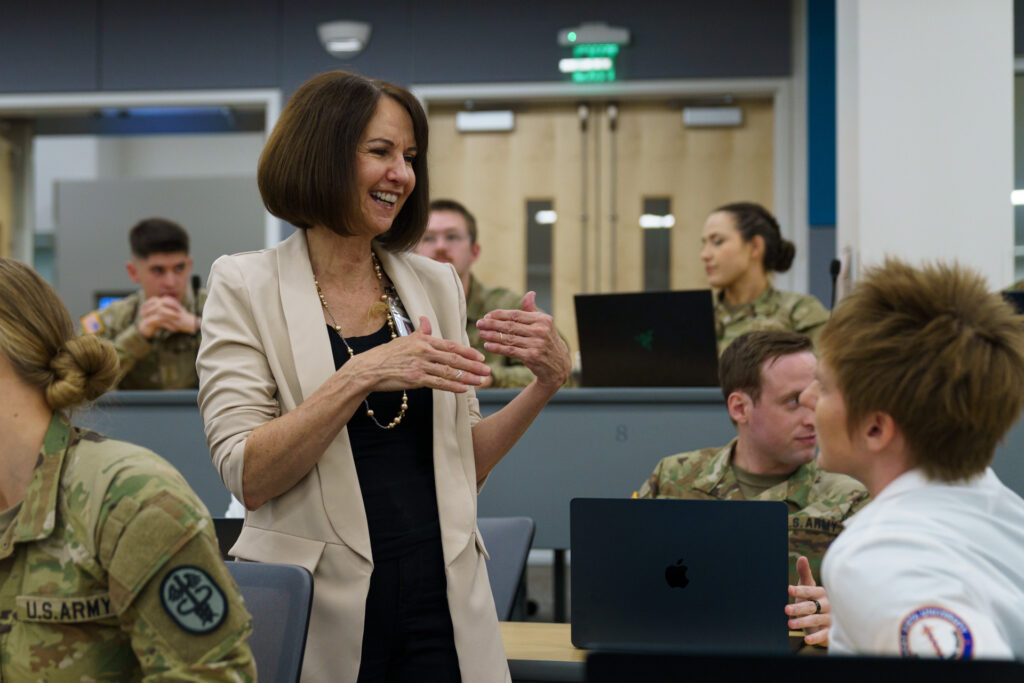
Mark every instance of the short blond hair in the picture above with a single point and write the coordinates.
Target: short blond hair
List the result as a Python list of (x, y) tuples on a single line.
[(937, 351), (38, 338)]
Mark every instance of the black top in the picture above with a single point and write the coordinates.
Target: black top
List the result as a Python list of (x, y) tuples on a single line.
[(395, 466)]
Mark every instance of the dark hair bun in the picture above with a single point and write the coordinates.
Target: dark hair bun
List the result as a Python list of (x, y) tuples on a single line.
[(782, 259), (83, 370)]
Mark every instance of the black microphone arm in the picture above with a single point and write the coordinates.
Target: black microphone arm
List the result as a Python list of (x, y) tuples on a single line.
[(833, 269), (196, 283)]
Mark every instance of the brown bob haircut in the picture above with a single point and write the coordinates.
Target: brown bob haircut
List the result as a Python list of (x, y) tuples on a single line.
[(739, 368), (306, 172), (939, 353)]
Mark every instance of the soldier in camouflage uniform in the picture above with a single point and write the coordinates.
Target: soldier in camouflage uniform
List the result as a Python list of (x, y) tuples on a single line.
[(155, 330), (762, 375), (742, 246), (451, 238), (109, 567)]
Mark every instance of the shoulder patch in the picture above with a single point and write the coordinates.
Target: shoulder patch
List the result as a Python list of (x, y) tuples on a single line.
[(933, 631), (193, 600), (92, 323)]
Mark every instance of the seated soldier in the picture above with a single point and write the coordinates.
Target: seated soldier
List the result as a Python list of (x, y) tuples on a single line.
[(109, 566), (921, 376), (155, 330), (451, 237), (772, 458)]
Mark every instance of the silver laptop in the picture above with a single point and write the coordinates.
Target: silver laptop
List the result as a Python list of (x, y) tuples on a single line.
[(679, 575)]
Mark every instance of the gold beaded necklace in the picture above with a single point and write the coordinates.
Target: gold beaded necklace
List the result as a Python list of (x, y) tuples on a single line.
[(351, 354)]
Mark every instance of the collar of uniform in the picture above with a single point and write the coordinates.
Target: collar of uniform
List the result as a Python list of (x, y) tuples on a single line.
[(37, 516), (719, 472), (796, 489), (765, 304)]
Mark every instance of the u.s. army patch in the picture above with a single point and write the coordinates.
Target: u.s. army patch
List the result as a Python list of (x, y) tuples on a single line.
[(193, 600)]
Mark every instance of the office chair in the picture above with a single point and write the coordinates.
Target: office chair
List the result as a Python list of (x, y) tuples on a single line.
[(508, 541), (279, 597), (227, 530), (609, 667)]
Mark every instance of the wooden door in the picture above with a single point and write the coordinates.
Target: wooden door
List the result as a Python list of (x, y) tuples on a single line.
[(597, 180)]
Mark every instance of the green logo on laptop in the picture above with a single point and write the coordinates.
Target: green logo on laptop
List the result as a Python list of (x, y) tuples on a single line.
[(645, 339)]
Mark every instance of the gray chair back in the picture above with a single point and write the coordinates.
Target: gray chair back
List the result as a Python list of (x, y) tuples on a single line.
[(279, 597), (508, 541)]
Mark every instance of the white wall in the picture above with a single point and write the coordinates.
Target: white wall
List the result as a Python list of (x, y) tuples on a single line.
[(69, 157), (925, 132)]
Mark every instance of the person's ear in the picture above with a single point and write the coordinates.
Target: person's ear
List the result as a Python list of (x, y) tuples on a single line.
[(740, 406), (878, 431), (757, 247), (133, 271), (188, 266), (474, 250)]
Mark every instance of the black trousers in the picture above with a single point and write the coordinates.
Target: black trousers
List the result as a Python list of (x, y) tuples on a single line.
[(407, 636)]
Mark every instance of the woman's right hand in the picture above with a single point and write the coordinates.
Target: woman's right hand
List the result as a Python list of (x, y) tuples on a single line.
[(418, 360)]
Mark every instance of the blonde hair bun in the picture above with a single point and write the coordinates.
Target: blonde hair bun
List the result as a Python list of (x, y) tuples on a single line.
[(83, 369)]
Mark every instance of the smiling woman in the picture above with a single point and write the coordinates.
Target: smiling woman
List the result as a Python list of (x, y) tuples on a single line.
[(337, 387), (741, 246)]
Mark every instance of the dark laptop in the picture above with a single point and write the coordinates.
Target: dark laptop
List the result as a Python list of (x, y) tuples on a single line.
[(1015, 297), (703, 576), (648, 339), (615, 667)]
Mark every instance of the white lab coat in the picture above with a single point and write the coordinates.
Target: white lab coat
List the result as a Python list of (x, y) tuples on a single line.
[(930, 569)]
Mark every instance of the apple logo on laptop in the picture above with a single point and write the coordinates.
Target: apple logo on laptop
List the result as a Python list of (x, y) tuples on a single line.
[(675, 574)]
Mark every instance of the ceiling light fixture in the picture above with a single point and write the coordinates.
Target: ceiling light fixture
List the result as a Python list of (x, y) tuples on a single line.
[(344, 39)]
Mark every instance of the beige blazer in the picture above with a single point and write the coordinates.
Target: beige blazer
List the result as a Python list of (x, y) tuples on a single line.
[(264, 350)]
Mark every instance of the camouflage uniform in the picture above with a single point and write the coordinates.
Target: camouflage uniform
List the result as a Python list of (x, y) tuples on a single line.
[(507, 373), (166, 361), (818, 501), (109, 570), (773, 310)]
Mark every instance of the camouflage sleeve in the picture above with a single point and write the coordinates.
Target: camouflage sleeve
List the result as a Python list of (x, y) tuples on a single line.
[(809, 317), (508, 373), (168, 584), (131, 346), (117, 325), (650, 487)]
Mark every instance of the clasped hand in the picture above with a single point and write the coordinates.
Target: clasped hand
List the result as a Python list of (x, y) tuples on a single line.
[(530, 336), (166, 313), (420, 360)]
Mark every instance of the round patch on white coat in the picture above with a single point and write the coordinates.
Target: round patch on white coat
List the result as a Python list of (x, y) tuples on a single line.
[(934, 631), (193, 600)]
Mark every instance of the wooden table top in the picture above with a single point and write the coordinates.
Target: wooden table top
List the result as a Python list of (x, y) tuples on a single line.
[(533, 640)]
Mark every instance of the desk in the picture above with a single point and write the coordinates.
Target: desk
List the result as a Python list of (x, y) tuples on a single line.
[(544, 652), (539, 651)]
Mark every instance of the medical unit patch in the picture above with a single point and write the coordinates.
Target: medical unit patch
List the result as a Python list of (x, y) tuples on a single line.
[(193, 600), (933, 631)]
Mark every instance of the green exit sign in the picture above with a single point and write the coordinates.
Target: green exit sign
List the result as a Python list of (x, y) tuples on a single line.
[(591, 63)]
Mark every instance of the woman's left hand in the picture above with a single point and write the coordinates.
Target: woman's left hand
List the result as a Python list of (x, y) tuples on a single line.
[(811, 611), (530, 336)]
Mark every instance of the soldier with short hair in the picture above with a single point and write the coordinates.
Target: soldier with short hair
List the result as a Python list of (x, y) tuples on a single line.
[(921, 376), (109, 566), (762, 375), (155, 330)]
